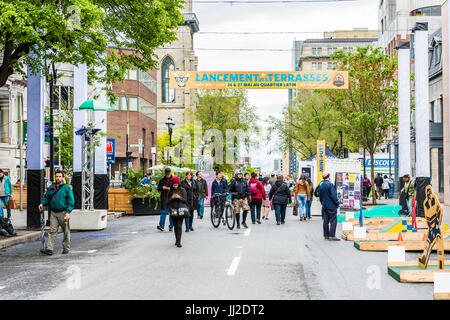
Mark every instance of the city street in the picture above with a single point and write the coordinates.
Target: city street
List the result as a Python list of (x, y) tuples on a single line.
[(131, 259)]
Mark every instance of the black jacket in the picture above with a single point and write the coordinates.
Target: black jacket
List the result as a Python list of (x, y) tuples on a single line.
[(164, 182), (177, 203), (240, 187), (379, 181), (328, 196), (191, 193), (280, 193), (202, 188)]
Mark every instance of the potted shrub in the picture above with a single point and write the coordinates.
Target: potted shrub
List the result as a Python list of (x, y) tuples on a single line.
[(145, 200)]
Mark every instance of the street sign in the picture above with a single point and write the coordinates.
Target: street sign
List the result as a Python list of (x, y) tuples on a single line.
[(111, 151)]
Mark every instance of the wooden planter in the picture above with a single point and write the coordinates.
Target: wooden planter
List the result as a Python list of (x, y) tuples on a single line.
[(146, 207), (119, 200)]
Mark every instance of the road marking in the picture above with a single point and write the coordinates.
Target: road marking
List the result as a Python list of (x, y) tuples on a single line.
[(234, 265), (87, 251), (247, 232)]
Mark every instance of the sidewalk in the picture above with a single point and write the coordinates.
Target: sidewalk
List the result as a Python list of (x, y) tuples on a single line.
[(19, 222)]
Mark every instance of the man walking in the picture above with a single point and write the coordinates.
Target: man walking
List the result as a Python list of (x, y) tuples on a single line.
[(241, 191), (202, 194), (410, 190), (330, 203), (6, 192), (164, 187), (60, 198), (379, 183)]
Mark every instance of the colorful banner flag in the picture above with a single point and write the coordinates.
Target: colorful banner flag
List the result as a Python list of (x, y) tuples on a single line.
[(259, 80), (320, 160)]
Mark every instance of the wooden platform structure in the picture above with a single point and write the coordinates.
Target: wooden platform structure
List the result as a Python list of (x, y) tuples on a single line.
[(410, 245), (412, 273)]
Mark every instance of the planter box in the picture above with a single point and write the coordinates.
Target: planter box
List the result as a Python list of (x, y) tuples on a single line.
[(119, 200), (146, 207)]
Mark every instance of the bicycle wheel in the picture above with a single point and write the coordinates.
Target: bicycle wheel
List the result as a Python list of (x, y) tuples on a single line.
[(215, 217), (230, 217)]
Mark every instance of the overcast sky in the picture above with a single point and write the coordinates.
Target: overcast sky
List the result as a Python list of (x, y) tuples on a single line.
[(282, 17)]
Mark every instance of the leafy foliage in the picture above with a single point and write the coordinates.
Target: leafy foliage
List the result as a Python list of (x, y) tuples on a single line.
[(133, 184), (368, 109), (309, 118), (34, 32)]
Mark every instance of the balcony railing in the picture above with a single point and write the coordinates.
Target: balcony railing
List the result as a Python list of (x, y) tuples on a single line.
[(191, 20)]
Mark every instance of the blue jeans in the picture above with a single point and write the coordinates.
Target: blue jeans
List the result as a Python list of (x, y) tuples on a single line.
[(4, 200), (162, 219), (329, 222), (280, 212), (201, 206), (255, 207), (189, 221), (302, 200), (409, 204), (308, 208)]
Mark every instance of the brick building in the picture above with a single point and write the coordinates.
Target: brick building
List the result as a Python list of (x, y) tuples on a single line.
[(136, 107)]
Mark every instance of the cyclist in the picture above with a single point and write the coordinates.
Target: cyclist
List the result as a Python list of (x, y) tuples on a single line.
[(241, 192), (218, 187)]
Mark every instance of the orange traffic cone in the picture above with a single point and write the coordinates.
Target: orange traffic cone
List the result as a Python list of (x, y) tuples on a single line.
[(400, 236)]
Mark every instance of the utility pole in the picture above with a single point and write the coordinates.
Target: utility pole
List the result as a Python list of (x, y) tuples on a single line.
[(342, 149), (52, 105), (22, 175)]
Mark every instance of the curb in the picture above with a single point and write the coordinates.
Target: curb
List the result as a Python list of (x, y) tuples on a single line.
[(32, 236)]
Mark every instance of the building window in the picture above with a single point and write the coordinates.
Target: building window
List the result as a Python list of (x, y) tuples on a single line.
[(427, 11), (4, 118), (314, 66), (319, 66), (147, 108), (168, 95), (153, 139), (437, 55), (330, 51), (115, 105), (133, 74), (147, 80), (330, 66), (123, 103), (441, 111), (133, 103), (432, 111)]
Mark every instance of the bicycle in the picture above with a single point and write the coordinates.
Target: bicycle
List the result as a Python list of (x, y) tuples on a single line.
[(217, 210)]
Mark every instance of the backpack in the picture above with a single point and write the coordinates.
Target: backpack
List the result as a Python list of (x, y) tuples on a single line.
[(253, 188)]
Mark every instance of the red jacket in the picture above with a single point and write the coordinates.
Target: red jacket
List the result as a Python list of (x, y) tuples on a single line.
[(261, 192)]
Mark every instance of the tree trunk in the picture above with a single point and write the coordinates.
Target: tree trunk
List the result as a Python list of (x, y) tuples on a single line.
[(372, 177)]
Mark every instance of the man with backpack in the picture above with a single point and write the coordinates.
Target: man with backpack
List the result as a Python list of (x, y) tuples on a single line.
[(241, 191), (257, 195)]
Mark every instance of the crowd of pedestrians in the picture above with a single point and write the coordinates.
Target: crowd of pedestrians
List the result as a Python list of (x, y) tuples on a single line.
[(250, 193)]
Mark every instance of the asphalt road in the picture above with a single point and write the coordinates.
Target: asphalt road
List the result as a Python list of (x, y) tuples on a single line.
[(131, 259)]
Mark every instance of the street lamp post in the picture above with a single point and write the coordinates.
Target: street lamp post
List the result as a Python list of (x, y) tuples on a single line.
[(170, 124), (342, 149)]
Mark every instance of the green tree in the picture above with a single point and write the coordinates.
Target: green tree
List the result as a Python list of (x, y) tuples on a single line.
[(309, 118), (228, 109), (368, 108), (177, 135), (80, 31)]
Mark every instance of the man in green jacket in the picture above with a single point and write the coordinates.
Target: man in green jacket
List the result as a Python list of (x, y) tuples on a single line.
[(410, 189), (61, 200)]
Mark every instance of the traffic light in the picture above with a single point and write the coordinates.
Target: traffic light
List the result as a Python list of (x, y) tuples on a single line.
[(345, 153), (128, 155)]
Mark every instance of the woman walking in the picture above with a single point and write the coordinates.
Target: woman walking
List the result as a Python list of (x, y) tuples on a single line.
[(281, 197), (257, 195), (266, 201), (191, 187), (178, 208), (302, 195), (386, 187), (311, 196)]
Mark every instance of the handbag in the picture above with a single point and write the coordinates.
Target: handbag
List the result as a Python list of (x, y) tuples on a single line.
[(180, 213), (295, 210), (12, 203)]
